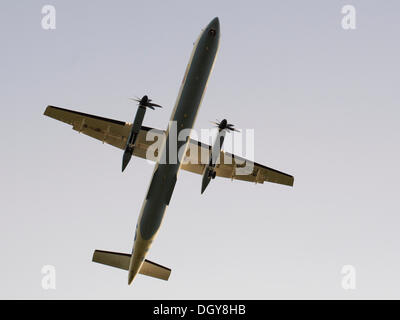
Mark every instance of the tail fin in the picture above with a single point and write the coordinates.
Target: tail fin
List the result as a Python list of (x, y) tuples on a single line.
[(122, 260)]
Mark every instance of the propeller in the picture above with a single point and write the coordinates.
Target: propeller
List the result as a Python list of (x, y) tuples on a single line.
[(224, 125), (146, 102)]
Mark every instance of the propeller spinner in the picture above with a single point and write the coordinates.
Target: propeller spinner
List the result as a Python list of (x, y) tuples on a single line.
[(146, 102), (221, 125)]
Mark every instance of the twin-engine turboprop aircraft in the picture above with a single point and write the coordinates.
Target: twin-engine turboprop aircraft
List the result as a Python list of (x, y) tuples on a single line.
[(131, 137)]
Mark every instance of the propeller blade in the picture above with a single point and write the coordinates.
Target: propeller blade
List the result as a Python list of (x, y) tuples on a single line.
[(230, 127), (150, 104)]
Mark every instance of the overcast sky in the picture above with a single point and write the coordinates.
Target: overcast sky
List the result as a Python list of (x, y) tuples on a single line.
[(324, 105)]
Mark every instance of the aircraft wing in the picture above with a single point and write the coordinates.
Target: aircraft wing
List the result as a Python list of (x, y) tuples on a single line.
[(116, 133), (108, 131), (233, 167)]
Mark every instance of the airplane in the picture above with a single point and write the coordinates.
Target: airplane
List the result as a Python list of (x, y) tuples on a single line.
[(131, 137)]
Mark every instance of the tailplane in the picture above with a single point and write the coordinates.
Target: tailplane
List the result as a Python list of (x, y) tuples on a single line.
[(122, 260)]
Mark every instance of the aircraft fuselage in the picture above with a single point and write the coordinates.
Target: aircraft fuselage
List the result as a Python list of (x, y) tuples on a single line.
[(165, 174)]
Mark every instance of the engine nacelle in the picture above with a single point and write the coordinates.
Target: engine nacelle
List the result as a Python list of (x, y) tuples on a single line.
[(130, 143), (209, 170), (144, 103)]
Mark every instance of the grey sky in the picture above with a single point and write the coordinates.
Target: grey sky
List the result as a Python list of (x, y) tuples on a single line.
[(324, 103)]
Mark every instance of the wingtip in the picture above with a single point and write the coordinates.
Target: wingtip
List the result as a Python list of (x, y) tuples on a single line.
[(94, 255), (46, 110)]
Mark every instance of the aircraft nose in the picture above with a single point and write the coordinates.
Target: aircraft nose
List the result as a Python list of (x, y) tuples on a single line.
[(213, 27)]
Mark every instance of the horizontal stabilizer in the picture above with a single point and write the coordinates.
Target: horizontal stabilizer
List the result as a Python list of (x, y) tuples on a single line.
[(112, 259), (154, 270), (122, 261)]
